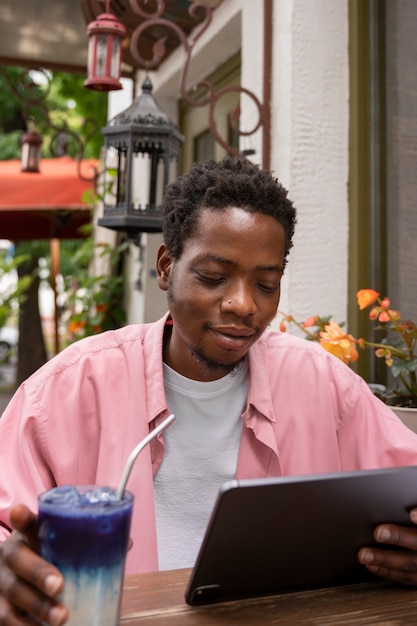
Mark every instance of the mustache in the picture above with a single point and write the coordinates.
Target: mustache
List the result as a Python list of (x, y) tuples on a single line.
[(227, 323)]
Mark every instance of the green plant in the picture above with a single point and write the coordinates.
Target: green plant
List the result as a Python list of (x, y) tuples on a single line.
[(398, 347), (57, 101), (331, 336), (12, 292), (95, 301)]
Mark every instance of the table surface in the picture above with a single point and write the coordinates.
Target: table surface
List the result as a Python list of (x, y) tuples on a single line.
[(158, 599)]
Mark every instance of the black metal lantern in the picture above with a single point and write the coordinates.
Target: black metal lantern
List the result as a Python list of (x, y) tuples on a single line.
[(142, 149)]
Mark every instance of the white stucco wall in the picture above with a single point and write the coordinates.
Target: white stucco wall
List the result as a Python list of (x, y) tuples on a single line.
[(309, 130), (310, 107)]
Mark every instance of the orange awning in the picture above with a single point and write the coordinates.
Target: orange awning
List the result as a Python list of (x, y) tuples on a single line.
[(45, 205)]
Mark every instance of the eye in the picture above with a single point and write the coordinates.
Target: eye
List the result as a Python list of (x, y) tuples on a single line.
[(211, 279), (268, 288)]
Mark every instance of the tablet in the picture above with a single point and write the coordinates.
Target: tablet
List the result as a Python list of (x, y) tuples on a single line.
[(273, 535)]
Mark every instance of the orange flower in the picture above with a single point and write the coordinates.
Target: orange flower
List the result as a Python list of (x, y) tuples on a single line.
[(366, 297), (385, 353), (74, 327), (282, 326), (337, 342), (384, 316), (373, 314), (395, 315), (400, 355), (310, 321)]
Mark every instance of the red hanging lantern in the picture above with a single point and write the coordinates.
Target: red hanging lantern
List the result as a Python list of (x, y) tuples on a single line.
[(105, 36), (31, 151)]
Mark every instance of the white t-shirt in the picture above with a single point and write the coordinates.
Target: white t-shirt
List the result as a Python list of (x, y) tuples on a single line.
[(201, 449)]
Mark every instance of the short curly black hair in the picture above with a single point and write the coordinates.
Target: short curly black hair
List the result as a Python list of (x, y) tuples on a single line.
[(218, 185)]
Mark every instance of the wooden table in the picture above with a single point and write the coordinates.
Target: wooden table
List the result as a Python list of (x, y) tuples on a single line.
[(157, 599)]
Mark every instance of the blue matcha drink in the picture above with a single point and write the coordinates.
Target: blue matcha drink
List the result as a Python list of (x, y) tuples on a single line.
[(84, 531)]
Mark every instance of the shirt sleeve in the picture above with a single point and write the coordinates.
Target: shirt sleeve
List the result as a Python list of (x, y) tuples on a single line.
[(371, 435), (25, 470)]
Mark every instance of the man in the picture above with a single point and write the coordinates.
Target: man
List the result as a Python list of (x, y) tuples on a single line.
[(248, 402)]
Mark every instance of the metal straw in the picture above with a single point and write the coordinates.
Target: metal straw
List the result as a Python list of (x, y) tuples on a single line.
[(133, 455)]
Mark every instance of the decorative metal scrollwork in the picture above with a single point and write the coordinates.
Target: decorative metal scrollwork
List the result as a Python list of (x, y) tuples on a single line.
[(210, 96)]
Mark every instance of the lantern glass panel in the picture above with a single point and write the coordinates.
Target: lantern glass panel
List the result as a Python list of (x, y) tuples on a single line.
[(101, 55), (121, 178), (115, 58), (90, 60), (141, 168), (160, 186), (110, 178)]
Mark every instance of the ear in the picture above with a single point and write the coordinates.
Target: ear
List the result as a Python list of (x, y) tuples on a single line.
[(164, 264)]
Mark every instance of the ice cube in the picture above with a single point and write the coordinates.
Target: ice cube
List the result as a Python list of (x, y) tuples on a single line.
[(65, 496), (100, 495)]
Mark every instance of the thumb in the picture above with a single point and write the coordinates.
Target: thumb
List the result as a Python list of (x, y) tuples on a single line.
[(25, 522), (22, 518)]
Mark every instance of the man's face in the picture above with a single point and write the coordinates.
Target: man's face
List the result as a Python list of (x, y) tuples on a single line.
[(223, 291)]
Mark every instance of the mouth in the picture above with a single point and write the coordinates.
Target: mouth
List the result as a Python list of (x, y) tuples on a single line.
[(233, 337)]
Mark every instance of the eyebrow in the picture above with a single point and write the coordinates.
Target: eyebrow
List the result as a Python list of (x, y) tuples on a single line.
[(219, 259)]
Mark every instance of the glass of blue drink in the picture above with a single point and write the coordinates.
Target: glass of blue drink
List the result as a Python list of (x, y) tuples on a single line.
[(84, 531)]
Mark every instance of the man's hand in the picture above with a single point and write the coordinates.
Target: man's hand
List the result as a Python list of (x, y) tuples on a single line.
[(401, 565), (28, 584)]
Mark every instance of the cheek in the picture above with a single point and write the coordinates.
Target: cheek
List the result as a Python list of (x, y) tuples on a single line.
[(181, 294), (169, 290), (269, 309)]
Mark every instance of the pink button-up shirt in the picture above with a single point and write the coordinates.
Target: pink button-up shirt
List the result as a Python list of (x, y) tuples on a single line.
[(76, 420)]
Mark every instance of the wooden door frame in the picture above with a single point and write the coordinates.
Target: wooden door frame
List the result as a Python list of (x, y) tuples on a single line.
[(367, 168)]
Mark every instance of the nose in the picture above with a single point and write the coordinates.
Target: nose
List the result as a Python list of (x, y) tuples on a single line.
[(239, 300)]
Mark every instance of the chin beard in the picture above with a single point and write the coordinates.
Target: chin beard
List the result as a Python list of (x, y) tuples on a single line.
[(214, 368)]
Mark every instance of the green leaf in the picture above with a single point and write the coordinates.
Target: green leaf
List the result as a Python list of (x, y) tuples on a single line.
[(401, 366)]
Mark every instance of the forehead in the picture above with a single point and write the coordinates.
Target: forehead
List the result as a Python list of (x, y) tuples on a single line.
[(235, 231)]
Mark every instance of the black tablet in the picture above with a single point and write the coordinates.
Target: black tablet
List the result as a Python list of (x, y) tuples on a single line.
[(274, 535)]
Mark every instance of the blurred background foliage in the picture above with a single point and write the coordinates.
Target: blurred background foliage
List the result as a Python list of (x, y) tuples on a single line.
[(46, 100), (90, 301)]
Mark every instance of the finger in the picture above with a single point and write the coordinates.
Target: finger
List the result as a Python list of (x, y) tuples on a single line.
[(12, 617), (389, 559), (28, 583), (21, 599), (397, 535), (398, 566), (26, 564), (23, 520)]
